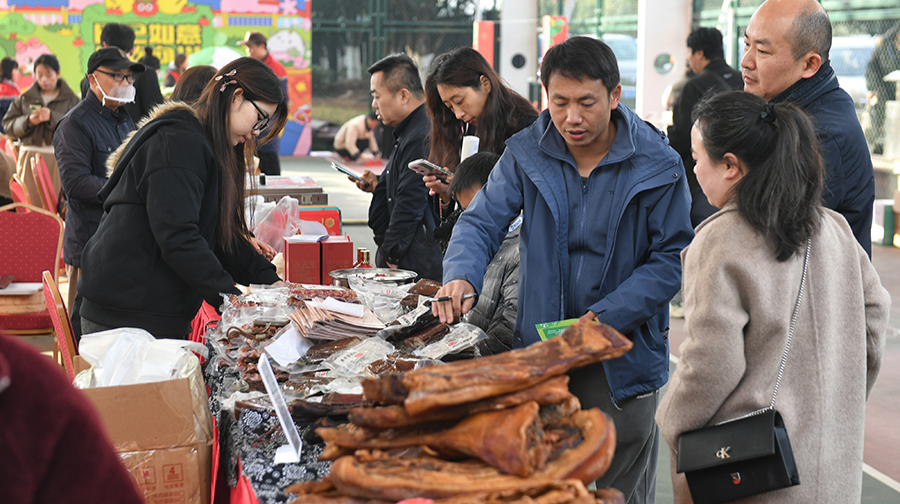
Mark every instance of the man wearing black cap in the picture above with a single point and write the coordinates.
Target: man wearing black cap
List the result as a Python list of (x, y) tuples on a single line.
[(256, 45), (146, 84), (84, 138)]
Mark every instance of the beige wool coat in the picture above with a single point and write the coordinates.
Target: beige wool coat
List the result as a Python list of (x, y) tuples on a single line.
[(738, 301)]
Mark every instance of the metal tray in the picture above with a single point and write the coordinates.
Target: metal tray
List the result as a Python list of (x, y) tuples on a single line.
[(384, 275)]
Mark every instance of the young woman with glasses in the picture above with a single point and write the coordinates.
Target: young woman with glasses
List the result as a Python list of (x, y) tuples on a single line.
[(174, 233)]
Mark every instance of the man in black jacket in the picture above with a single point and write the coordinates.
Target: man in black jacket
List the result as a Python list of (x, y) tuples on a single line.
[(707, 61), (401, 213), (785, 59), (84, 138), (146, 84)]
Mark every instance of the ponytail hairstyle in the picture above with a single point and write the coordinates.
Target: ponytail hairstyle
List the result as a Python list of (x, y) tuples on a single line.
[(258, 83), (781, 191), (505, 111)]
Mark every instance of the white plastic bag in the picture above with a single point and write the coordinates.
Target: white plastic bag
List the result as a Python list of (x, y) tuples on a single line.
[(272, 222), (129, 355)]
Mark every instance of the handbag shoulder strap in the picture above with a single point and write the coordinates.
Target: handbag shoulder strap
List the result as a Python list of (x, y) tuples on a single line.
[(787, 345), (790, 337)]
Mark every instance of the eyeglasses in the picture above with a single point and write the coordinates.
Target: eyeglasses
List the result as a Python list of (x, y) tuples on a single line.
[(262, 123), (118, 77)]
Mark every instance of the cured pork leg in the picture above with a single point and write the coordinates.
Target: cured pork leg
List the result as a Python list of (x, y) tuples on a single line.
[(570, 491), (589, 439), (436, 387), (551, 391), (509, 440)]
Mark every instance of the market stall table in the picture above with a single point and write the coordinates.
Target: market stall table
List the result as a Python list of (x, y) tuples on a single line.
[(304, 189)]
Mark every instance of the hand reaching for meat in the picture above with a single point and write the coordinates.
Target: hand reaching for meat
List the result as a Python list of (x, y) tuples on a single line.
[(450, 310)]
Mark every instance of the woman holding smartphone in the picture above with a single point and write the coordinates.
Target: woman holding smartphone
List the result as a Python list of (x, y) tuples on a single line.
[(465, 96), (32, 116)]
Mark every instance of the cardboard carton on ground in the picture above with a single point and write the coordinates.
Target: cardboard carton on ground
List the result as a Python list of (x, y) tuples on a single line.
[(163, 434)]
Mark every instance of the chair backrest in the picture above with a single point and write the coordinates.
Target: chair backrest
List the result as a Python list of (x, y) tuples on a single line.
[(10, 148), (62, 324), (43, 183), (31, 242), (19, 191)]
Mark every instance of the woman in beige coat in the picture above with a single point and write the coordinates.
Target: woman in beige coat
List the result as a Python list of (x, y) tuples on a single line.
[(760, 164)]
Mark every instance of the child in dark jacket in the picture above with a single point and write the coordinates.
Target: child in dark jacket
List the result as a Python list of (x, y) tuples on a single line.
[(497, 305)]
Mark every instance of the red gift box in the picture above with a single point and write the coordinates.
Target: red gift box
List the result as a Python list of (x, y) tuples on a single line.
[(337, 253), (329, 216), (302, 262)]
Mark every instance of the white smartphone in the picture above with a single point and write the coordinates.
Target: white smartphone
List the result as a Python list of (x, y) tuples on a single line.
[(425, 167)]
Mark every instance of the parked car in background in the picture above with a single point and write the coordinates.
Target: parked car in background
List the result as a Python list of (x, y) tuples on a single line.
[(849, 56), (625, 49)]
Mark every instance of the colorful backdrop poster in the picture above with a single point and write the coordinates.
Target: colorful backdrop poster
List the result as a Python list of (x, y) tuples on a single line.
[(207, 31)]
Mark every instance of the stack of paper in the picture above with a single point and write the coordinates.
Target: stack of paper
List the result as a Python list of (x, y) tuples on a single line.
[(332, 319)]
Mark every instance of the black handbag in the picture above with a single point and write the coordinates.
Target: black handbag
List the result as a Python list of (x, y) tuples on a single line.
[(745, 456)]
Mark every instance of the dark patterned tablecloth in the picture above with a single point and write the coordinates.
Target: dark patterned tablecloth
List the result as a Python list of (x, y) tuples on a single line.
[(252, 438)]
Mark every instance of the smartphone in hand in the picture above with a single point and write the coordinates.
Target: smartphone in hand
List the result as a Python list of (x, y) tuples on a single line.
[(424, 167), (349, 173)]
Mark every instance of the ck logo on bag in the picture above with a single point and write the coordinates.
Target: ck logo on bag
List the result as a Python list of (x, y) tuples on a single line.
[(723, 452), (736, 478)]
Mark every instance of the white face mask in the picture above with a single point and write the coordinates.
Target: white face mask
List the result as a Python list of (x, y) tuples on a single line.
[(123, 93)]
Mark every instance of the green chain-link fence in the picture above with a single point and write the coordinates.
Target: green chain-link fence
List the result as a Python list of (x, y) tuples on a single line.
[(350, 35)]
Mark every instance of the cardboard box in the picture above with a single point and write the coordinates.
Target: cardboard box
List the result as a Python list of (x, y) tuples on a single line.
[(329, 216), (163, 434), (302, 262), (337, 253)]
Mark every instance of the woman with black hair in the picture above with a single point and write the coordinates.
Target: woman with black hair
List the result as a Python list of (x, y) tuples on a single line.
[(9, 89), (192, 82), (33, 116), (465, 96), (174, 231), (760, 163)]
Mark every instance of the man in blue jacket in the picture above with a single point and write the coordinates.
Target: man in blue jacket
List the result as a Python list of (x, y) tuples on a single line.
[(786, 60), (606, 213)]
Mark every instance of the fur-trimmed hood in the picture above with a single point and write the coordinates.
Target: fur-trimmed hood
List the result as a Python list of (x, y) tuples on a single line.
[(157, 112)]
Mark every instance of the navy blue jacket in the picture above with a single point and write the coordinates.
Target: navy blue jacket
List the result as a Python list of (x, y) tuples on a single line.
[(84, 138), (402, 213), (849, 177), (642, 267)]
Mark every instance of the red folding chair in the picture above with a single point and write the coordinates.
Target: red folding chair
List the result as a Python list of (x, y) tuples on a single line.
[(19, 191), (44, 184), (9, 147), (31, 242), (62, 326)]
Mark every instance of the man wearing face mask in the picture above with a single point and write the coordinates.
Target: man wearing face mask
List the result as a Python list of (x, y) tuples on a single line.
[(85, 137)]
